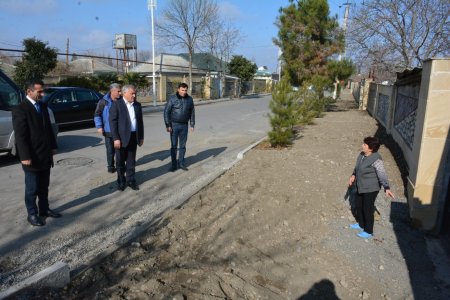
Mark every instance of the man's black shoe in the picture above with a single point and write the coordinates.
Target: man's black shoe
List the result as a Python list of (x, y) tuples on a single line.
[(172, 169), (35, 220), (50, 213), (121, 186), (184, 168), (133, 186), (111, 170)]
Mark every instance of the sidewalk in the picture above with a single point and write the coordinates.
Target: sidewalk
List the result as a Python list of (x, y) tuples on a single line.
[(275, 226)]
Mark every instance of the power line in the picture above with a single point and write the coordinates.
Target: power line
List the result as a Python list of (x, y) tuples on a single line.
[(9, 44), (104, 57)]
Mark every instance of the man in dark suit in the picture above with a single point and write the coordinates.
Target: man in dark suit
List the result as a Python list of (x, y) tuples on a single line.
[(127, 130), (36, 145)]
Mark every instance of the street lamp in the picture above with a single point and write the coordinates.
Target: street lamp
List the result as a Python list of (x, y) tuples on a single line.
[(152, 4)]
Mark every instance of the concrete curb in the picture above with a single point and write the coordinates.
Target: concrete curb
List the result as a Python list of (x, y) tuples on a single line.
[(57, 276), (241, 154)]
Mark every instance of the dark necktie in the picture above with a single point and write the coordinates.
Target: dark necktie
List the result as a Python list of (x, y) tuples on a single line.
[(38, 107)]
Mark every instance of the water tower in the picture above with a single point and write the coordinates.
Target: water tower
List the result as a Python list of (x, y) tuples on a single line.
[(126, 49)]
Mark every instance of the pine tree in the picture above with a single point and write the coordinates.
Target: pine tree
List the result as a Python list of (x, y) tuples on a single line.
[(283, 117), (37, 60), (308, 38)]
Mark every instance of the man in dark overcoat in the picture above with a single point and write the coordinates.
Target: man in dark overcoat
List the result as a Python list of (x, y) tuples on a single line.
[(36, 145)]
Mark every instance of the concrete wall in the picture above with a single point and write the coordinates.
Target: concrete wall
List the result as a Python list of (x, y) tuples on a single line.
[(356, 91), (383, 105), (416, 112), (360, 91), (372, 97), (429, 174)]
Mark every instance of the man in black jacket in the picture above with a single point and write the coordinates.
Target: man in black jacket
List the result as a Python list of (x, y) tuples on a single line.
[(36, 145), (179, 111), (127, 130)]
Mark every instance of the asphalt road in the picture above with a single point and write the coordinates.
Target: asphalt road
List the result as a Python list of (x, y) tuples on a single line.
[(97, 217)]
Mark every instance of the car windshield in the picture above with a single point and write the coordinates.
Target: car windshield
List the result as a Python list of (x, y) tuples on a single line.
[(9, 97)]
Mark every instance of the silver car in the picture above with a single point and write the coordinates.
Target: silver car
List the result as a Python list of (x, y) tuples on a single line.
[(10, 95)]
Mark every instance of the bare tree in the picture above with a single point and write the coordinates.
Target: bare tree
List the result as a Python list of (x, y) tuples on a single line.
[(400, 33), (220, 40), (144, 55), (184, 23)]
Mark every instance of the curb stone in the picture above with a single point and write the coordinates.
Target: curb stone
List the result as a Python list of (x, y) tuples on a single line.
[(56, 276)]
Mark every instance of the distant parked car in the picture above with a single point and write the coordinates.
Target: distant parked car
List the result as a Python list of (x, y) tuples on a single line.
[(11, 95), (72, 105)]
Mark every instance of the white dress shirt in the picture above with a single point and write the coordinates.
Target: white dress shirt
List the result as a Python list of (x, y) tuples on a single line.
[(31, 100), (132, 114)]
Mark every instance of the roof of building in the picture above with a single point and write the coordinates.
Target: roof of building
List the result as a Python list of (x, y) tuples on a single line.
[(90, 66), (179, 63), (8, 69), (263, 71)]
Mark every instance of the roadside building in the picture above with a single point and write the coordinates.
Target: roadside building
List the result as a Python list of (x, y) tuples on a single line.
[(172, 69)]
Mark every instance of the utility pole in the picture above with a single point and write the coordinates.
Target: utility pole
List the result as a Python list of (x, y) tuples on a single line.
[(67, 52), (151, 6), (280, 53), (344, 26)]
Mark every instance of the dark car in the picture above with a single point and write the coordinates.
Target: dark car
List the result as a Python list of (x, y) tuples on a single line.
[(71, 105), (10, 96)]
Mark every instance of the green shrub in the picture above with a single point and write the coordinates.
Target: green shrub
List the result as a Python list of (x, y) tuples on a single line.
[(78, 81), (98, 83), (283, 116), (313, 101)]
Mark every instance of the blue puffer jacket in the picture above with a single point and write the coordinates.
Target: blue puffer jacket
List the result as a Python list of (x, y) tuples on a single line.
[(101, 115)]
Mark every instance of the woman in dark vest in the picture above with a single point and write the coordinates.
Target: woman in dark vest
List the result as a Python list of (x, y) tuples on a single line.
[(369, 175)]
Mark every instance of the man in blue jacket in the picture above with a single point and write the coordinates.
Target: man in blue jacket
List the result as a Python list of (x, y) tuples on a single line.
[(178, 113), (101, 119)]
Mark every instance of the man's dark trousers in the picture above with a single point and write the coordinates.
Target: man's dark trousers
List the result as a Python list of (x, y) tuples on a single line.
[(110, 151), (179, 133), (36, 185), (126, 161)]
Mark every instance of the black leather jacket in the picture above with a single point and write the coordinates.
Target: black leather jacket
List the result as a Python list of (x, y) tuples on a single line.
[(179, 110)]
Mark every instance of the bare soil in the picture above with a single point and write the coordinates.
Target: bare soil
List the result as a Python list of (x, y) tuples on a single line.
[(275, 226)]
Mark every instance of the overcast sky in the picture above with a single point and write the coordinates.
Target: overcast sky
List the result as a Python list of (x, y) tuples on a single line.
[(90, 25)]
